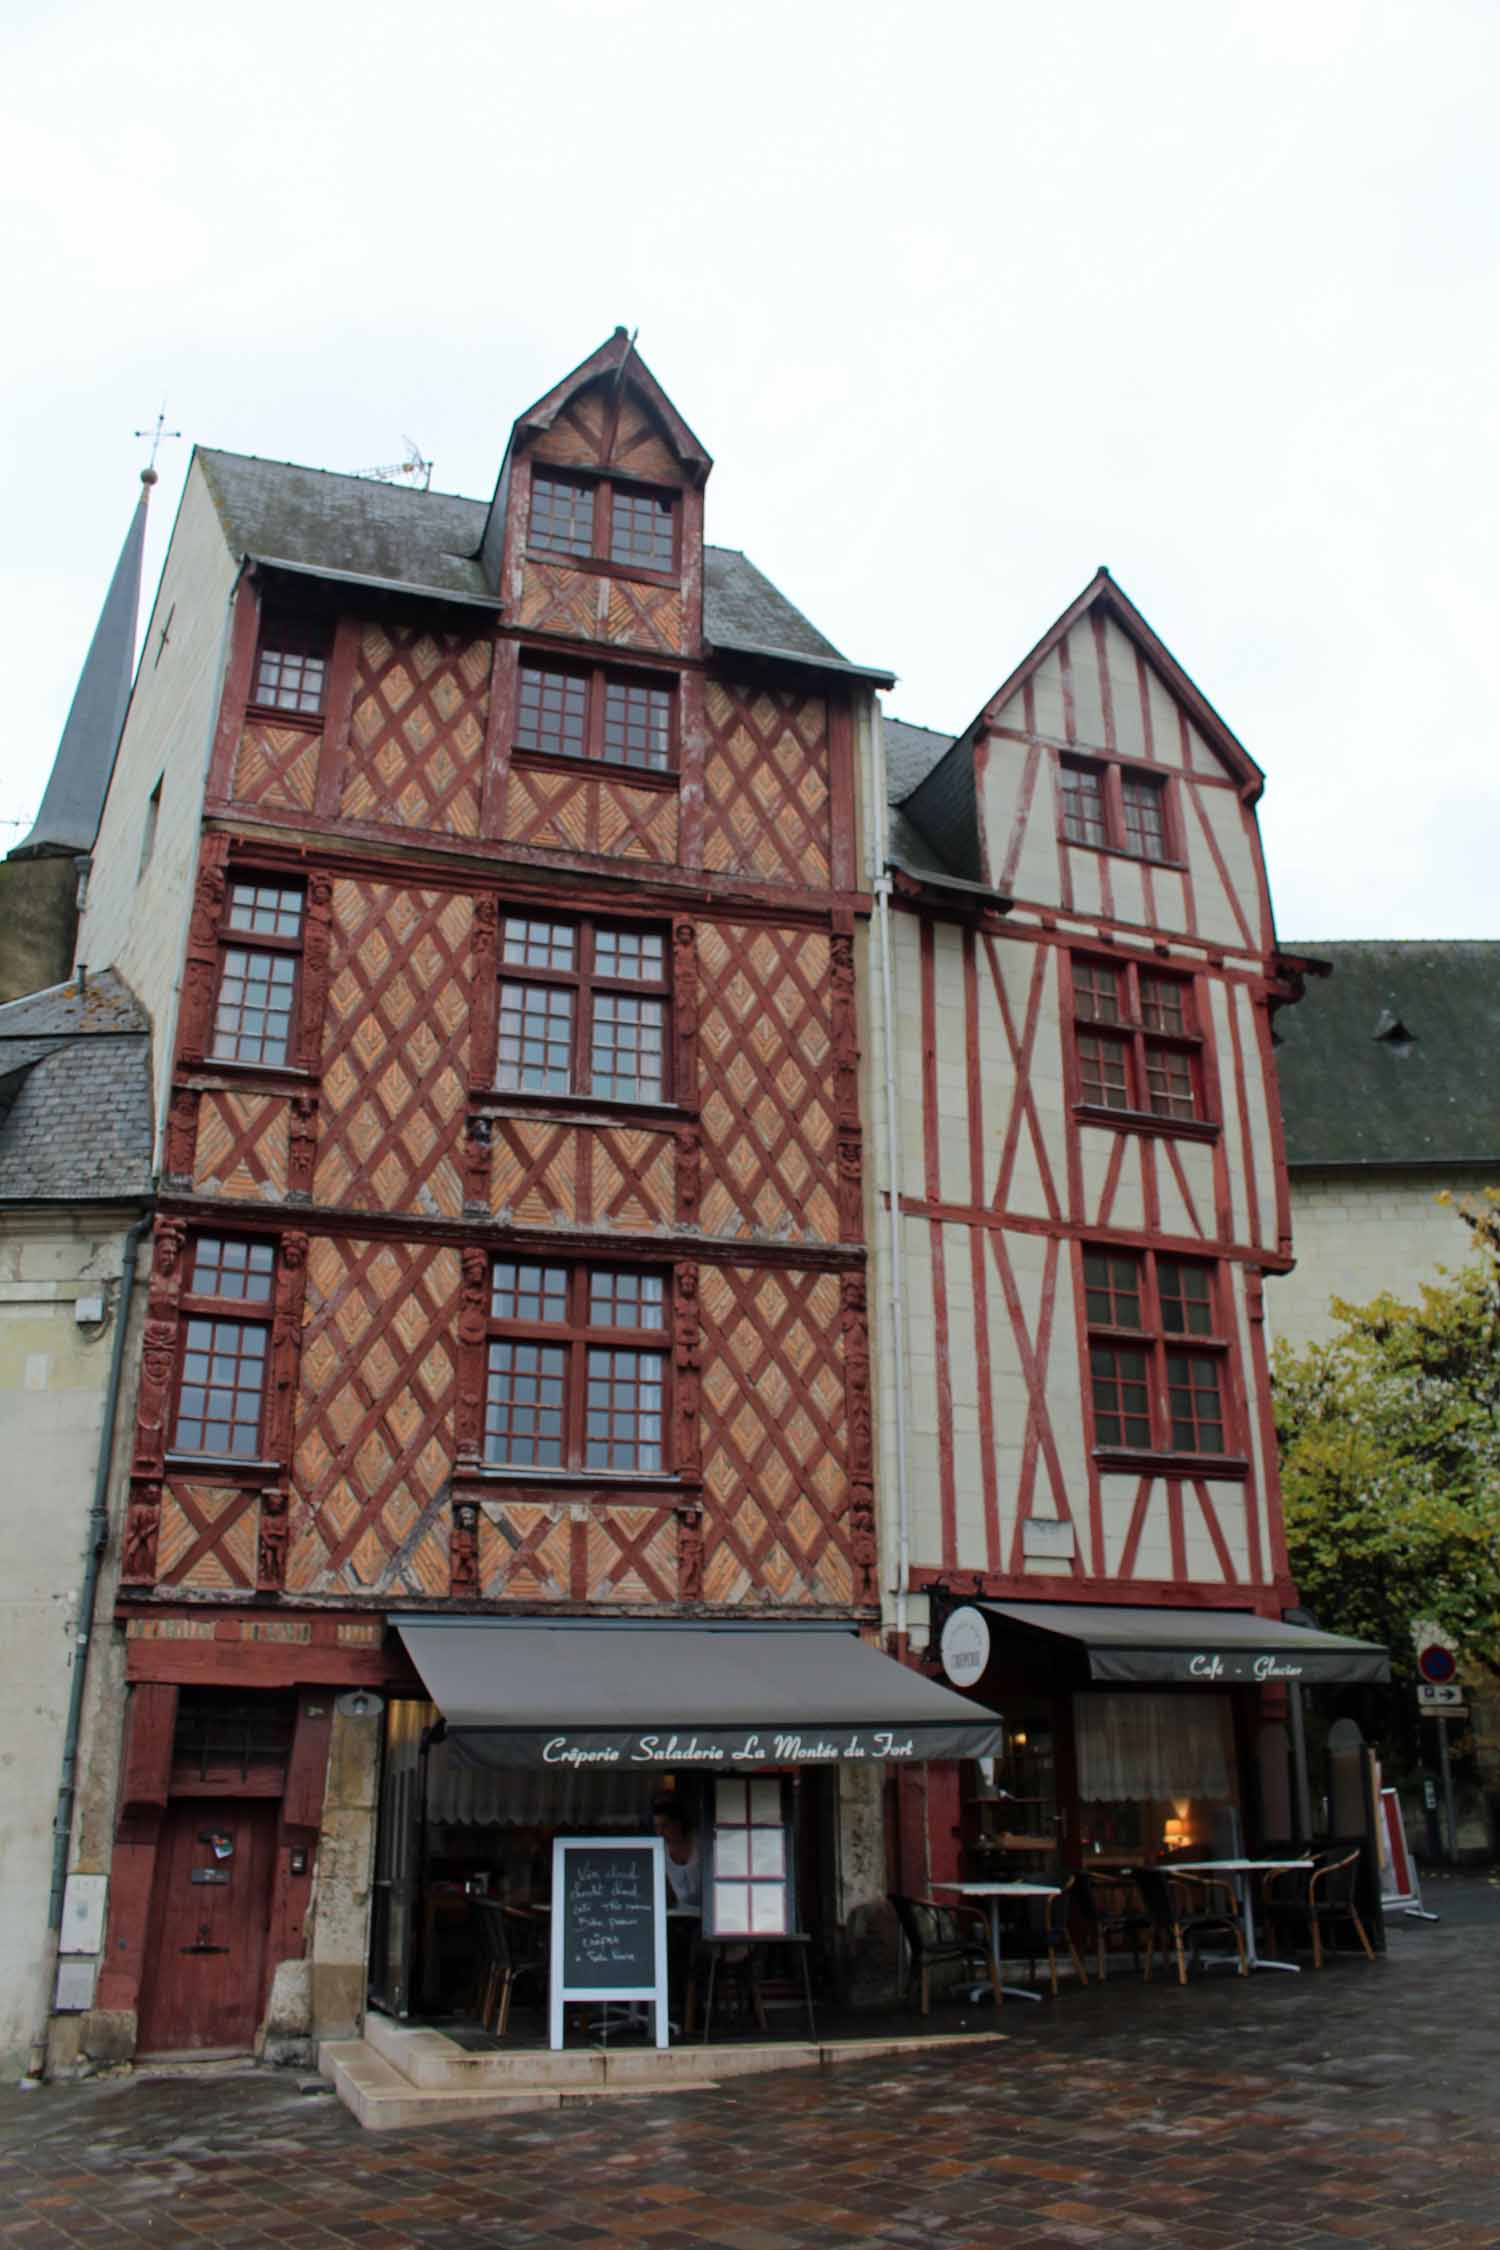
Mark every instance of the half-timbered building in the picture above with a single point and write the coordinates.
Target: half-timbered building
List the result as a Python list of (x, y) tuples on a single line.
[(1078, 1463), (498, 930)]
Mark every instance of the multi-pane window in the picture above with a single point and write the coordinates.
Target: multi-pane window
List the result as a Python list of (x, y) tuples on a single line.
[(1115, 808), (629, 719), (1083, 805), (222, 1390), (583, 1009), (624, 525), (552, 711), (1136, 1040), (569, 1383), (255, 1013), (638, 723), (1143, 802), (1155, 1357), (562, 516), (291, 667), (640, 529)]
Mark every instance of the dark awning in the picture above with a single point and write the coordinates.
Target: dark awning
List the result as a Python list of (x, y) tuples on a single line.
[(1207, 1647), (624, 1692)]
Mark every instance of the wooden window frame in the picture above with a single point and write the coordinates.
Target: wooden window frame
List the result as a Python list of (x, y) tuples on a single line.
[(1158, 1344), (242, 1312), (585, 981), (1112, 774), (233, 937), (597, 680), (284, 632), (599, 558), (577, 1336), (1139, 1041)]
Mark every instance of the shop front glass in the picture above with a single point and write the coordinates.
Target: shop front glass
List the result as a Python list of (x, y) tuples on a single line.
[(1157, 1775), (459, 1841)]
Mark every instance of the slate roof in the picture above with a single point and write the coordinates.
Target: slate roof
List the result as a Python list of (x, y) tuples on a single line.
[(1394, 1059), (75, 1095), (74, 797), (910, 755), (389, 536)]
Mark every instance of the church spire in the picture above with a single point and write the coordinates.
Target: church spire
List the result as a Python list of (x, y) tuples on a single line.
[(74, 797)]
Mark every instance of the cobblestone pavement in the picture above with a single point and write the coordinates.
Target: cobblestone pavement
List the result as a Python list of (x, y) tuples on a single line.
[(1359, 2106)]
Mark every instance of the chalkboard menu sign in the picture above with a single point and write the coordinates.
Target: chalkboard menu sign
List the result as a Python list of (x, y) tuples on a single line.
[(609, 1924)]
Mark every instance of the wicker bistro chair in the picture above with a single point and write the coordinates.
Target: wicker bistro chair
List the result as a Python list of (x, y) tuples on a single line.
[(1090, 1893), (1298, 1900), (936, 1935), (1044, 1926), (509, 1949), (1181, 1912)]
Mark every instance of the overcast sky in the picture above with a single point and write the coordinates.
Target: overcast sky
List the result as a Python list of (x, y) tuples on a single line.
[(964, 300)]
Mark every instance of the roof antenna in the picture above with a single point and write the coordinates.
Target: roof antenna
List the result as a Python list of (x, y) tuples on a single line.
[(414, 470), (155, 431)]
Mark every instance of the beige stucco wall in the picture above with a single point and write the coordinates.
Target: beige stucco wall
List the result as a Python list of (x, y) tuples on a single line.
[(53, 1374), (135, 920), (1356, 1233)]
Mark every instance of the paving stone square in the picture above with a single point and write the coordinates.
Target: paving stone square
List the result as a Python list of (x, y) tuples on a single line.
[(1359, 2106)]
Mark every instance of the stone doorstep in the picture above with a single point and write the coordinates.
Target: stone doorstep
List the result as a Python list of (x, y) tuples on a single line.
[(398, 2075)]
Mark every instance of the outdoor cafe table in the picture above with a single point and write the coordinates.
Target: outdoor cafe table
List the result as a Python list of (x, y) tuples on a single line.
[(994, 1892), (1239, 1872)]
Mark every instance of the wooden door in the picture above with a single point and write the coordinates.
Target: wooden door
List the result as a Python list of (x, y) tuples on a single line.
[(210, 1905)]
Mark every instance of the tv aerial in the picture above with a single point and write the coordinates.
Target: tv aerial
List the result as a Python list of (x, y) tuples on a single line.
[(415, 470)]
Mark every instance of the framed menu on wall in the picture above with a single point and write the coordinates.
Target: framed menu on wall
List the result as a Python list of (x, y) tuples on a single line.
[(750, 1889)]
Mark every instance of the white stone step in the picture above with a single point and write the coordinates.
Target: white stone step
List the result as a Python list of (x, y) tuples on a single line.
[(382, 2099), (402, 2074)]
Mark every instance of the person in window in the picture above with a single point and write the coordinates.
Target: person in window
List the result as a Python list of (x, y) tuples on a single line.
[(684, 1867)]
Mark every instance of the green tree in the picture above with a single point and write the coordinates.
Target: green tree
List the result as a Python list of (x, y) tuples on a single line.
[(1390, 1459)]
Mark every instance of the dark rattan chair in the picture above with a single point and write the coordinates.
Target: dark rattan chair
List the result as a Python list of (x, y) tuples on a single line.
[(510, 1947), (1105, 1907), (1311, 1903), (1044, 1926), (936, 1935), (1182, 1912)]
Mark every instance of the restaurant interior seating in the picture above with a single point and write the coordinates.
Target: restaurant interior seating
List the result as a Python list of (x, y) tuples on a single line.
[(1305, 1903), (937, 1935), (511, 1945), (1181, 1914)]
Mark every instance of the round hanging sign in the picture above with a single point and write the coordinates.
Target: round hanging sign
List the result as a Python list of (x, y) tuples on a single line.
[(965, 1645)]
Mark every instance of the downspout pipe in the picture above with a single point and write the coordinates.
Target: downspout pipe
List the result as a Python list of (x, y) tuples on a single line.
[(95, 1548), (896, 1290)]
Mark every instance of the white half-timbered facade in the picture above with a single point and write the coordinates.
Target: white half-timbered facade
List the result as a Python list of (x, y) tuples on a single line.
[(1077, 1087)]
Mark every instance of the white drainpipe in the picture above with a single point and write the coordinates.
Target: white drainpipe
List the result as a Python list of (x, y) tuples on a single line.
[(896, 1295)]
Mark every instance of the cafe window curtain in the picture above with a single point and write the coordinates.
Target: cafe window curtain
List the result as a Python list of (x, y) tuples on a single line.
[(1138, 1745), (463, 1794)]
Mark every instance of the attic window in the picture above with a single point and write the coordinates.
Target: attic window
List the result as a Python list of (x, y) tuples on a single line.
[(640, 530), (562, 516), (291, 667), (620, 526), (1114, 808)]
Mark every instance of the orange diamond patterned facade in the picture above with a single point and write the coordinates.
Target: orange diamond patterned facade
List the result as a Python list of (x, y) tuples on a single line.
[(509, 1256)]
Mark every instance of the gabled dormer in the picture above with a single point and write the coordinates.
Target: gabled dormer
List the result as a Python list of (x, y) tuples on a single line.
[(1098, 781), (595, 532)]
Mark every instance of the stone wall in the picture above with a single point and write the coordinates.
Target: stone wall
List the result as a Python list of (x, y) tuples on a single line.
[(1355, 1233)]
